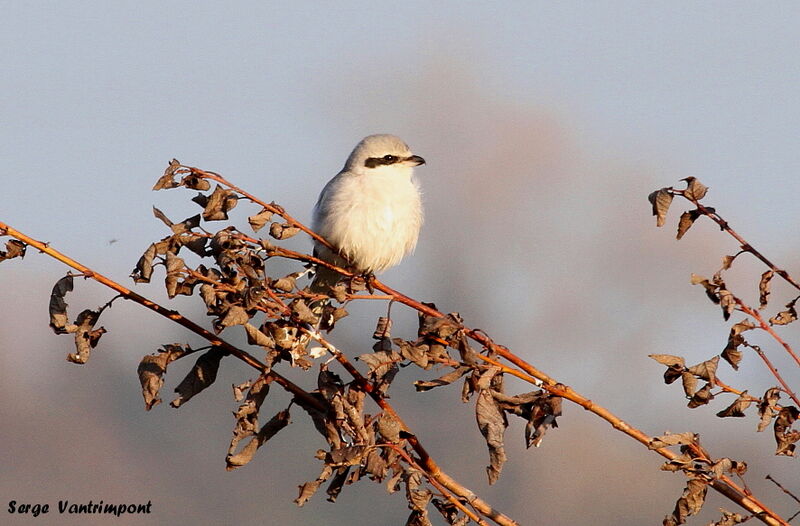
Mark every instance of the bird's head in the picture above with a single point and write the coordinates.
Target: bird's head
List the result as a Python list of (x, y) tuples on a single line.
[(382, 154)]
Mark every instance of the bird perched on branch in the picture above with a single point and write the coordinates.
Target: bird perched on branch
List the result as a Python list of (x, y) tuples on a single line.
[(371, 211)]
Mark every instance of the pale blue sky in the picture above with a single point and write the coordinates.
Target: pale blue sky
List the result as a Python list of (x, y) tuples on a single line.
[(545, 126)]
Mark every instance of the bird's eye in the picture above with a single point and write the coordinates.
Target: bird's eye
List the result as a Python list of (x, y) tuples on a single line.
[(389, 158)]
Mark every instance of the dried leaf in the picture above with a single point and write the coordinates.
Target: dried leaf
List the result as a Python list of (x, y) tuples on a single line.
[(258, 221), (85, 337), (785, 436), (282, 230), (672, 439), (144, 267), (727, 302), (686, 221), (768, 407), (308, 489), (763, 288), (701, 397), (695, 190), (690, 503), (151, 371), (706, 370), (202, 375), (58, 306), (689, 383), (785, 317), (492, 424), (660, 199), (218, 204), (14, 249), (738, 407), (668, 359), (258, 337), (167, 180), (729, 519), (711, 288), (270, 429), (446, 379)]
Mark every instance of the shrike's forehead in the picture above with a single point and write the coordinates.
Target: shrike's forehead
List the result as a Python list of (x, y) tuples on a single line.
[(380, 145)]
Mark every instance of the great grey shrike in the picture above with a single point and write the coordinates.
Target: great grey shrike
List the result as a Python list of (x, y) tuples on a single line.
[(371, 211)]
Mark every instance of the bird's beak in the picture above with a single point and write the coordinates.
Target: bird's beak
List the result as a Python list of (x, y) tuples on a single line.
[(416, 159)]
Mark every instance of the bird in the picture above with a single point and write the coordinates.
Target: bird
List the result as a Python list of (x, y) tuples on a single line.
[(370, 212)]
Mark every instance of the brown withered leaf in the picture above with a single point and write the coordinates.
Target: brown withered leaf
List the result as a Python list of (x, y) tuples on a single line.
[(768, 407), (14, 249), (686, 221), (738, 407), (301, 312), (785, 436), (689, 383), (785, 317), (202, 375), (195, 182), (337, 483), (731, 353), (86, 336), (727, 466), (544, 410), (258, 337), (727, 261), (668, 359), (58, 306), (282, 230), (706, 370), (695, 190), (442, 328), (727, 302), (144, 267), (672, 439), (175, 266), (448, 510), (711, 288), (729, 519), (269, 430), (389, 427), (258, 221), (151, 372), (285, 284), (492, 423), (382, 366), (701, 397), (383, 329), (446, 379), (660, 199), (167, 180), (690, 503), (308, 489), (416, 354), (235, 315), (763, 288), (217, 205), (417, 495)]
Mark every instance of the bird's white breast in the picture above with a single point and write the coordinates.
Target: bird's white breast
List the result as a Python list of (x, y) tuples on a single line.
[(374, 219)]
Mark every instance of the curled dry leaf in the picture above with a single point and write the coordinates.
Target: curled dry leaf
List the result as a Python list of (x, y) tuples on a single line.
[(701, 397), (446, 379), (768, 407), (706, 370), (258, 221), (763, 288), (785, 317), (168, 179), (695, 190), (686, 221), (660, 199), (672, 439), (270, 429), (785, 436), (58, 306), (152, 369), (690, 503), (282, 230), (492, 423), (202, 375), (218, 204), (14, 249), (738, 407), (86, 336)]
